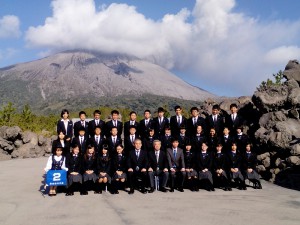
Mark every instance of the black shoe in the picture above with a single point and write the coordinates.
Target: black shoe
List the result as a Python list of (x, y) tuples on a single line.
[(144, 191), (151, 190), (229, 189), (180, 189), (163, 189), (131, 191), (84, 193), (69, 193), (116, 192), (243, 188), (212, 189), (172, 190), (197, 189), (259, 185), (98, 192)]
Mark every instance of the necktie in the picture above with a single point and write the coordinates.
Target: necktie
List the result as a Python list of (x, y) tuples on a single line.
[(97, 122), (131, 122), (119, 157), (81, 140), (174, 153), (137, 154), (178, 120), (159, 121), (194, 121), (82, 123), (97, 140), (157, 156), (204, 155), (115, 123), (132, 139), (146, 122), (114, 140)]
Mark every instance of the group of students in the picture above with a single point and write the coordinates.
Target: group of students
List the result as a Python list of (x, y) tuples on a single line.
[(177, 153)]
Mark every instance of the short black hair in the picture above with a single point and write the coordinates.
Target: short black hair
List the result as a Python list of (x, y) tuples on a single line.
[(177, 107), (132, 112), (233, 105), (114, 112), (216, 106), (147, 110), (97, 111), (81, 112), (160, 109), (63, 112), (194, 108)]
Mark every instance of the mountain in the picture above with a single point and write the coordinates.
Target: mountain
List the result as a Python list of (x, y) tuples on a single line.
[(76, 77)]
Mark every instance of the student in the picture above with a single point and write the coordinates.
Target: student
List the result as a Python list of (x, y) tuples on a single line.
[(191, 173), (249, 166), (198, 139), (203, 164), (132, 122), (148, 141), (119, 168), (96, 122), (160, 122), (74, 163), (215, 120), (212, 140), (177, 121), (61, 141), (234, 120), (146, 124), (97, 140), (220, 168), (235, 166), (104, 169), (65, 125), (81, 140), (241, 139), (194, 121), (81, 123), (89, 167), (114, 122), (113, 140), (56, 162), (176, 165), (226, 139), (137, 165), (158, 166), (166, 139), (129, 140), (183, 138)]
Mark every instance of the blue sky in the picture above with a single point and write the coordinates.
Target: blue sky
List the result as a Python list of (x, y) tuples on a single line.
[(216, 45)]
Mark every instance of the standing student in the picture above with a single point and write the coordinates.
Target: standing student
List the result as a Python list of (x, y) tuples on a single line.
[(74, 164), (234, 120), (166, 139), (96, 122), (215, 120), (103, 169), (177, 121), (56, 162), (65, 125), (241, 139), (198, 139), (113, 140), (81, 140), (81, 123), (114, 122), (194, 121), (129, 140), (160, 122), (61, 141), (132, 122), (146, 124), (176, 165), (183, 138), (226, 139), (212, 140), (119, 168), (148, 141), (89, 167), (97, 140)]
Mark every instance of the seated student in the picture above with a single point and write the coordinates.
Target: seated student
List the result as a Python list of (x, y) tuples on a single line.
[(158, 166), (119, 168), (212, 140), (191, 173), (249, 166), (132, 122), (183, 138), (103, 168), (56, 162), (114, 122), (160, 122), (65, 125), (81, 140), (198, 139), (166, 139), (241, 140), (176, 165), (235, 166), (97, 140), (74, 163), (220, 168), (226, 140), (203, 164), (129, 140), (81, 123), (113, 140), (61, 141), (96, 122), (148, 141), (89, 167), (137, 165)]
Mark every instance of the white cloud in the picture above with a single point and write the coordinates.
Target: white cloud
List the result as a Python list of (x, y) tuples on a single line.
[(228, 52), (9, 26)]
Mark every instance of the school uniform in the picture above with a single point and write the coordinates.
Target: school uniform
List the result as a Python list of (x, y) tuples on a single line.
[(166, 142), (189, 159), (233, 121), (226, 141), (82, 142), (212, 142), (235, 161), (65, 145), (220, 162), (183, 140), (112, 142), (92, 125), (203, 161), (74, 164), (145, 126), (113, 123), (119, 163), (127, 126), (197, 141), (159, 125), (66, 127), (250, 162), (176, 122), (192, 124), (89, 163), (148, 143), (78, 125), (129, 143), (217, 122), (97, 142), (241, 142)]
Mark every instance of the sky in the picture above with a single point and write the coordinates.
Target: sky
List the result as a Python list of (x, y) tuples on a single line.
[(227, 47)]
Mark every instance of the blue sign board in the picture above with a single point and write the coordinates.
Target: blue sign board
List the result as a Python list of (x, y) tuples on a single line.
[(56, 178)]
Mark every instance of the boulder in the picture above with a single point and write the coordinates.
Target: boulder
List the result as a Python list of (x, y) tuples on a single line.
[(6, 145), (28, 150), (293, 160), (292, 71), (263, 156), (30, 137), (3, 131), (295, 149), (42, 140), (13, 133), (294, 97), (18, 143), (4, 156), (266, 162)]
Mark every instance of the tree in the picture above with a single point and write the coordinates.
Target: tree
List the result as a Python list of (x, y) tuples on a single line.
[(7, 112)]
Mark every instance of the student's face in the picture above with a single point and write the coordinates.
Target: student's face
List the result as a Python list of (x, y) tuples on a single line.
[(233, 148), (132, 131), (199, 129), (97, 131), (219, 148), (233, 109), (168, 132), (182, 131), (91, 150), (61, 135), (119, 150), (97, 116), (178, 111), (58, 152), (225, 131), (195, 113), (114, 131), (215, 111), (175, 144), (137, 144), (151, 133), (104, 151), (161, 114), (188, 148), (65, 115), (133, 117), (81, 133), (147, 115), (157, 146), (114, 116), (82, 117), (248, 148), (238, 131), (204, 147), (76, 150), (212, 132)]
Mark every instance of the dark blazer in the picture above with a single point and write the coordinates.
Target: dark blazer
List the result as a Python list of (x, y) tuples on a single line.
[(234, 161), (226, 142), (92, 126), (177, 163), (218, 125), (189, 160), (183, 140), (73, 163), (241, 141), (66, 149), (220, 161), (233, 125), (162, 161), (119, 165), (212, 143), (143, 129), (203, 161), (192, 129), (175, 127), (103, 165), (110, 125), (197, 142), (159, 128), (61, 127), (148, 143), (249, 161), (111, 145), (141, 162), (98, 146), (89, 164), (83, 146), (166, 142), (128, 144), (127, 128), (78, 125)]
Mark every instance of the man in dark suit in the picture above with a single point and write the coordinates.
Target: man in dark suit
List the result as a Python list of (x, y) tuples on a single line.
[(81, 123), (160, 122), (132, 122), (81, 140), (177, 166), (215, 120), (114, 122), (97, 140), (233, 120), (137, 165), (96, 122), (177, 121), (146, 124), (113, 140), (194, 121), (158, 166)]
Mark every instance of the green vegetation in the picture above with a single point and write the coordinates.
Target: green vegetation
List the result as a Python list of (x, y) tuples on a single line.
[(279, 79)]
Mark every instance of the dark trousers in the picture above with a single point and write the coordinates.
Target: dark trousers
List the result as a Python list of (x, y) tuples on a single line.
[(162, 175), (133, 178), (177, 177)]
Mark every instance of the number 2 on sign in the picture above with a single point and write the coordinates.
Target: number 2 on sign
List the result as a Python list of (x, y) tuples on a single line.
[(56, 176)]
